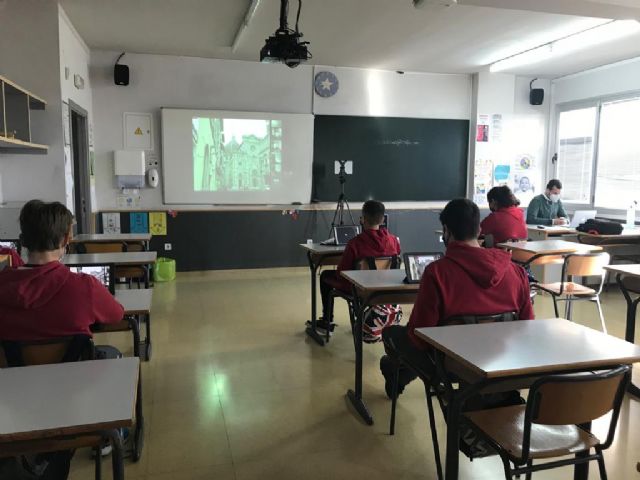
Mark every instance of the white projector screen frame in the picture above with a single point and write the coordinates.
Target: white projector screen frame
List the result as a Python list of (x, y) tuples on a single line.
[(293, 183)]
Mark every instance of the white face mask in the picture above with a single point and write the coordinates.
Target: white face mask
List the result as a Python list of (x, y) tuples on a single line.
[(554, 197)]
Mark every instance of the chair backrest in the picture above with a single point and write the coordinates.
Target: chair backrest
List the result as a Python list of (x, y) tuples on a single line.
[(134, 246), (114, 247), (5, 261), (586, 265), (378, 263), (476, 319), (576, 399), (43, 352)]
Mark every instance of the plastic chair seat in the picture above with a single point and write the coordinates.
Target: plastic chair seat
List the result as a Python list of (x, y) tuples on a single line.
[(505, 426), (570, 288)]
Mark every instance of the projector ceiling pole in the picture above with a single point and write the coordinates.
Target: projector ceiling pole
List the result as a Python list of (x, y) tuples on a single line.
[(284, 14)]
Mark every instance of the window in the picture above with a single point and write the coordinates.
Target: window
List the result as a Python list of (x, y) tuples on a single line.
[(576, 132), (599, 153), (618, 171)]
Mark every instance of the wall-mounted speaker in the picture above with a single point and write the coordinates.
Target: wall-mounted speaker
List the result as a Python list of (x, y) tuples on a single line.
[(121, 74), (536, 95)]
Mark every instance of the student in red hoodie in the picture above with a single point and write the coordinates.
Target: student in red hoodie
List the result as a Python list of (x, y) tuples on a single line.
[(468, 280), (506, 220), (372, 242), (16, 261), (44, 299)]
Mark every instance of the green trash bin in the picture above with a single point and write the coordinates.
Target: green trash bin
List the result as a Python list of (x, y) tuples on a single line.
[(164, 270)]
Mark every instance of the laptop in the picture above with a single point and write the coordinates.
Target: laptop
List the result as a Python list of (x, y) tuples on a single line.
[(415, 263), (581, 216), (343, 233)]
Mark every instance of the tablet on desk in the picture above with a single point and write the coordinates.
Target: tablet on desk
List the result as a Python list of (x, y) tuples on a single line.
[(415, 263), (343, 233)]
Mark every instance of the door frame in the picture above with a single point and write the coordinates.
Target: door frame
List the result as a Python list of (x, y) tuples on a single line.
[(82, 185)]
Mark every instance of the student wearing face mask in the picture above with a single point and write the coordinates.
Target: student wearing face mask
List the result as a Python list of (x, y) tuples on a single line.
[(546, 208)]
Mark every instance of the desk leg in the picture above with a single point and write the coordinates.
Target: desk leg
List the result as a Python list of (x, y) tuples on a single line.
[(117, 457), (452, 459), (630, 330), (311, 324), (581, 470), (355, 397)]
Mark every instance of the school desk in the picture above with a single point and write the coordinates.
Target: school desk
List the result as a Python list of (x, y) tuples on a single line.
[(142, 238), (503, 353), (373, 287), (111, 260), (48, 403), (536, 232), (633, 271), (319, 255)]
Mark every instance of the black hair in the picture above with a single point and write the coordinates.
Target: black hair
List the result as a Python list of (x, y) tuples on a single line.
[(44, 225), (503, 196), (462, 219), (554, 183), (373, 212)]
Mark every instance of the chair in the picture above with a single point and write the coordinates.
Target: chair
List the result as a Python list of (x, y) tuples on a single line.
[(439, 387), (555, 422), (584, 265), (368, 263), (43, 352)]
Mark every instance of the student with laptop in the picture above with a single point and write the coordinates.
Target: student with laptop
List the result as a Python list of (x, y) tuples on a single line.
[(372, 242), (468, 280), (546, 208), (506, 220)]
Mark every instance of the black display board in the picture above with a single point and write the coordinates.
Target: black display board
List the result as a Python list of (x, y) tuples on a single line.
[(394, 159)]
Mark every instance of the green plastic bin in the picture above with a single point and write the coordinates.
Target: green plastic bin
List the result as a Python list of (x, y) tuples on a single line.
[(164, 270)]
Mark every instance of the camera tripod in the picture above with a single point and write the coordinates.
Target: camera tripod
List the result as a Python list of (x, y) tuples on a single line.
[(338, 216)]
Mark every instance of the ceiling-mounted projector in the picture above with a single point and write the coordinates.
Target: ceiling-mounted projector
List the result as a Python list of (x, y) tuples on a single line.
[(285, 46), (442, 3)]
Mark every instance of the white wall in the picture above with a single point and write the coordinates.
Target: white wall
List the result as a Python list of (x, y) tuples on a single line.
[(383, 93), (186, 82), (29, 56), (614, 79)]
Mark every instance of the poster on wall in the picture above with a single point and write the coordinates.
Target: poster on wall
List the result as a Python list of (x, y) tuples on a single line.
[(111, 222), (138, 222), (158, 223)]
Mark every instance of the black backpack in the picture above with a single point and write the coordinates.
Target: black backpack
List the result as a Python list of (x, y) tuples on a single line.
[(600, 227)]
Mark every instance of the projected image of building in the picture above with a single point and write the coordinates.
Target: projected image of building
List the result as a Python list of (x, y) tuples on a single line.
[(236, 155)]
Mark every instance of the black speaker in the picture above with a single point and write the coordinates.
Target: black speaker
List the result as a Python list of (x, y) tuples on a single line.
[(536, 96), (121, 75)]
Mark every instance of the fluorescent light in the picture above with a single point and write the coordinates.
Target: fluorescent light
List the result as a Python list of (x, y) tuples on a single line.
[(582, 40)]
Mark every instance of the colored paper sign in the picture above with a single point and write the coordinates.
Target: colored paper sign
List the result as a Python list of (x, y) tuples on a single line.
[(158, 223), (111, 222), (138, 222), (501, 172)]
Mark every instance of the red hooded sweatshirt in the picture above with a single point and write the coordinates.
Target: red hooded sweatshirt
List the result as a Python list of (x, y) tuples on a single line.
[(505, 224), (469, 281), (16, 261), (370, 243), (50, 301)]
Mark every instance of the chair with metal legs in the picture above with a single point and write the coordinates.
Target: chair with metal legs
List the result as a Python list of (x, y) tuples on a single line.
[(568, 291)]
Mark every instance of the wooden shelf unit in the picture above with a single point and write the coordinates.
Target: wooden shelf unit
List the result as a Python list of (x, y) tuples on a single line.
[(16, 105)]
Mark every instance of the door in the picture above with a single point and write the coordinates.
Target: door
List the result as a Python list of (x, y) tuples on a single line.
[(80, 155)]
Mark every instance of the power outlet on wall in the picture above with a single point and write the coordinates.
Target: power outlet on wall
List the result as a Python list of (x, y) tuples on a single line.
[(167, 247)]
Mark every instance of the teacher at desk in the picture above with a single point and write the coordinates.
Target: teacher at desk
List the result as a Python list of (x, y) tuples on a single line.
[(546, 208)]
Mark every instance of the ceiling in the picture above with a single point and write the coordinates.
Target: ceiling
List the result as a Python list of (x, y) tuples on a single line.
[(385, 34)]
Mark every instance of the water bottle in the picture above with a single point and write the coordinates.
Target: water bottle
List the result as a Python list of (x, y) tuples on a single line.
[(631, 215)]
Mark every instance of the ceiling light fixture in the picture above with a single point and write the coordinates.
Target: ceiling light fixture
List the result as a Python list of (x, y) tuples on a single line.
[(444, 3), (579, 41)]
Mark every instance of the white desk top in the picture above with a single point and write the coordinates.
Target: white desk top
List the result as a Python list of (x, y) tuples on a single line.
[(111, 237), (525, 347), (66, 398), (318, 249), (550, 247), (135, 300), (552, 229), (118, 258), (628, 270), (378, 280)]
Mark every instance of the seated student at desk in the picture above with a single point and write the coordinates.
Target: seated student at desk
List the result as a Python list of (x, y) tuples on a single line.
[(44, 299), (468, 280), (506, 220), (372, 242), (546, 208)]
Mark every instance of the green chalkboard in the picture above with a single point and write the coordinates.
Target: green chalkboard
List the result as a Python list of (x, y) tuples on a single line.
[(394, 159)]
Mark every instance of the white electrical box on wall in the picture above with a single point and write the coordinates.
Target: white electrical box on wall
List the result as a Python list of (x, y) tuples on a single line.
[(129, 168)]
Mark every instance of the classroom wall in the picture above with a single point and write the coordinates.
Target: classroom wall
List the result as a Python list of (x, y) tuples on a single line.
[(29, 56), (617, 78), (74, 55)]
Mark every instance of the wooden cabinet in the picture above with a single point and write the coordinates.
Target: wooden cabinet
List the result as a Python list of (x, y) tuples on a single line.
[(16, 107)]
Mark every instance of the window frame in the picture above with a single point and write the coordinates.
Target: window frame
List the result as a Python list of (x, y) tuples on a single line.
[(596, 102)]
